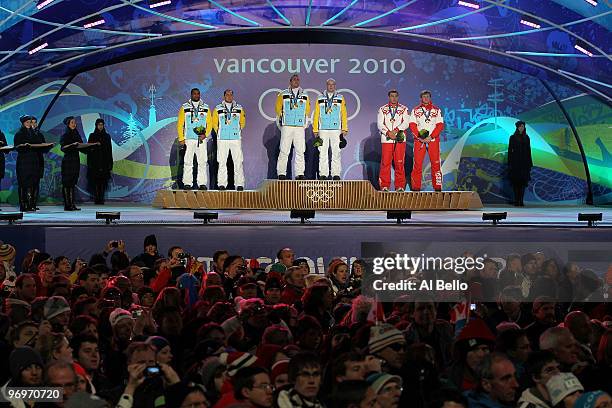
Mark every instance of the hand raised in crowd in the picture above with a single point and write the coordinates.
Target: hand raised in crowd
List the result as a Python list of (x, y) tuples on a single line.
[(136, 377), (78, 265), (169, 374), (121, 245)]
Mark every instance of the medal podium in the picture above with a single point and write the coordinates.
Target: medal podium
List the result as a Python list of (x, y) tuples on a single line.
[(317, 195)]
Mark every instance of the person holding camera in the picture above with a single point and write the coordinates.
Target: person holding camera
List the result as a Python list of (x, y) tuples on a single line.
[(147, 381)]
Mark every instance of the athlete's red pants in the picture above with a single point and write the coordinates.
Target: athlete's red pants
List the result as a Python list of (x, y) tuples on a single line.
[(395, 152), (420, 150)]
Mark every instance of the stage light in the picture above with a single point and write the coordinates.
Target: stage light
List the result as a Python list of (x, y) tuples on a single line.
[(583, 50), (590, 218), (11, 217), (155, 4), (468, 4), (592, 2), (38, 48), (399, 215), (495, 217), (95, 22), (303, 215), (530, 23), (206, 217), (43, 4), (108, 216)]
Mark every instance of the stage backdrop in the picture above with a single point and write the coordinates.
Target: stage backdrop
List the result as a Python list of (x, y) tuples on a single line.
[(139, 101)]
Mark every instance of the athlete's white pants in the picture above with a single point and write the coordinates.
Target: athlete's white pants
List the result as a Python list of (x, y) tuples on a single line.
[(331, 138), (292, 135), (201, 153), (224, 147)]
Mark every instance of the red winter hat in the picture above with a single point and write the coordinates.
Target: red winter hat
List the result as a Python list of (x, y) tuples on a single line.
[(474, 333), (237, 360), (280, 367)]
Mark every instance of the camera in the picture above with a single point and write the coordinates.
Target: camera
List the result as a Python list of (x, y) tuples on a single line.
[(152, 371), (183, 257), (136, 313), (114, 244)]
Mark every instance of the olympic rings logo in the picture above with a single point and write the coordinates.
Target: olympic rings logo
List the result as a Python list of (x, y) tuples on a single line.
[(309, 91), (320, 195)]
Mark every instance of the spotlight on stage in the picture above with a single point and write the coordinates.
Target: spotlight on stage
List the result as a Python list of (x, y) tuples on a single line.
[(591, 218), (303, 215), (108, 216), (495, 217), (399, 215), (206, 217), (11, 217)]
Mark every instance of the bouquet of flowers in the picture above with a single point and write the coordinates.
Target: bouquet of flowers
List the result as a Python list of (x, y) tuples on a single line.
[(199, 130), (400, 137), (317, 142), (423, 133)]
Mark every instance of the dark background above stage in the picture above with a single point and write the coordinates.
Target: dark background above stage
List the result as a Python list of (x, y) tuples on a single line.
[(495, 30)]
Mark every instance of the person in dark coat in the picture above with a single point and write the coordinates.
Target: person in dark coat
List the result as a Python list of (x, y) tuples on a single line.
[(100, 161), (71, 164), (38, 136), (519, 162), (2, 144), (28, 164)]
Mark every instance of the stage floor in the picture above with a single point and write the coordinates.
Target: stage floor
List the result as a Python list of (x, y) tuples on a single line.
[(139, 214)]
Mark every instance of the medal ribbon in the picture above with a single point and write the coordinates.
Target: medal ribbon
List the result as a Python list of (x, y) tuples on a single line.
[(228, 112), (426, 113), (294, 98), (393, 112), (329, 102)]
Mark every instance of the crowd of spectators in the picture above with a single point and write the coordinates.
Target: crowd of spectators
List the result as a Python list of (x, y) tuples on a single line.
[(161, 331)]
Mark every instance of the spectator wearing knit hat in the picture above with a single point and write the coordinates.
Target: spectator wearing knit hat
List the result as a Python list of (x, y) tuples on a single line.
[(272, 291), (294, 288), (26, 368), (474, 342), (163, 351), (122, 326), (57, 312), (388, 344), (564, 389), (7, 264), (338, 274), (279, 373), (594, 399), (233, 362), (544, 313), (387, 388), (150, 254)]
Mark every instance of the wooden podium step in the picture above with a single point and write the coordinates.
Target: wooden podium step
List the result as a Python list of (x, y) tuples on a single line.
[(317, 195)]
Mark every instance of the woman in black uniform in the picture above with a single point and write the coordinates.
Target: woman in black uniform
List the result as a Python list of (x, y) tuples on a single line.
[(519, 162), (71, 164), (100, 161), (28, 164)]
